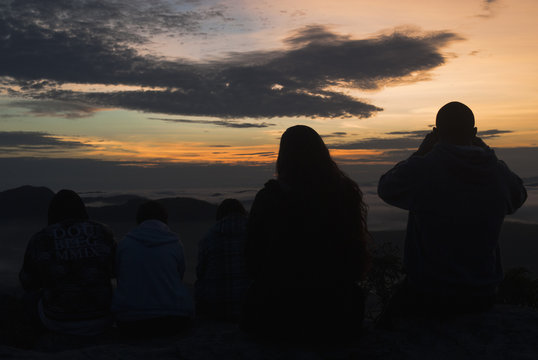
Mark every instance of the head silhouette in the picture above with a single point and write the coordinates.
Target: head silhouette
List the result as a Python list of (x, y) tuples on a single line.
[(303, 156), (66, 204), (455, 124), (228, 207), (151, 210)]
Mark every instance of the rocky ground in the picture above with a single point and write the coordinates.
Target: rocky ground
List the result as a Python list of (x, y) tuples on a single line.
[(506, 332)]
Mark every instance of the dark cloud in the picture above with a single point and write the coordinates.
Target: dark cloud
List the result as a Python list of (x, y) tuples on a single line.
[(422, 133), (336, 134), (30, 140), (405, 140), (119, 20), (65, 109), (264, 153), (49, 43), (488, 7), (486, 134), (227, 123), (379, 143), (411, 134)]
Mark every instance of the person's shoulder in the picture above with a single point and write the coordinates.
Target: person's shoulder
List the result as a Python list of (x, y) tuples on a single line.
[(269, 190), (41, 234)]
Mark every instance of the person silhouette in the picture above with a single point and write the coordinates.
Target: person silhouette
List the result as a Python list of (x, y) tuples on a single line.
[(221, 271), (457, 193), (306, 247), (68, 268), (151, 298)]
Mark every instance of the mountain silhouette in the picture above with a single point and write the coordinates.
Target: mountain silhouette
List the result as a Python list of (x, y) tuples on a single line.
[(27, 202)]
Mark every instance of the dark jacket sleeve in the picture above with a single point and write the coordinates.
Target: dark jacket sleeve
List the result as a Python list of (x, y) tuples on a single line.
[(398, 186), (516, 192), (29, 274)]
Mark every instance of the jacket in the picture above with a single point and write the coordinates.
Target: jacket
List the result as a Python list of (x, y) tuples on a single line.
[(457, 197), (150, 265)]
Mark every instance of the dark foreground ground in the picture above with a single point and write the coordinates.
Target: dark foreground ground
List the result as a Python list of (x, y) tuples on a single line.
[(506, 332)]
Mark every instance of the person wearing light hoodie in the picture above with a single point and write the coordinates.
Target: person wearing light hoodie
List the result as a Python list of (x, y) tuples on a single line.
[(151, 298), (457, 193)]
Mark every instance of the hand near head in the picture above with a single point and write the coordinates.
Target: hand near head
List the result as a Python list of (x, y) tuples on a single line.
[(428, 143), (480, 143)]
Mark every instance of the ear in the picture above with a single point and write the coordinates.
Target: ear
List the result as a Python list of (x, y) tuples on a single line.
[(475, 130), (435, 131)]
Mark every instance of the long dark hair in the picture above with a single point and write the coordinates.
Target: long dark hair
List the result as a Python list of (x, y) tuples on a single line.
[(66, 204), (305, 164)]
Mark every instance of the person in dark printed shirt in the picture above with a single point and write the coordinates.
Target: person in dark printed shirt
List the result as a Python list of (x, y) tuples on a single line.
[(68, 268), (221, 271)]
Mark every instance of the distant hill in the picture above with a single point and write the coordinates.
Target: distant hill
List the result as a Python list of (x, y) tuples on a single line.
[(25, 202), (519, 244), (28, 202), (179, 209), (108, 200)]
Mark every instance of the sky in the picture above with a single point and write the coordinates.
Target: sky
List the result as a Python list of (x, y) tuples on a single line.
[(163, 94)]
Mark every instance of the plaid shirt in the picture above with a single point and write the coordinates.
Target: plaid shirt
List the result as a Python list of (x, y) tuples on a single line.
[(72, 263), (221, 271)]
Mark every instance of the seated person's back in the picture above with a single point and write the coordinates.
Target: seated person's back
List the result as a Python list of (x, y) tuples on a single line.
[(151, 297), (306, 246), (68, 266), (221, 272)]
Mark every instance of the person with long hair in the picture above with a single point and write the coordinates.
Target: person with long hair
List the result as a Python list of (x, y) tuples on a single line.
[(306, 247), (67, 270)]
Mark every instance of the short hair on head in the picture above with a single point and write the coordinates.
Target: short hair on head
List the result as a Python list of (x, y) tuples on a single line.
[(454, 119), (66, 204), (151, 210), (230, 206)]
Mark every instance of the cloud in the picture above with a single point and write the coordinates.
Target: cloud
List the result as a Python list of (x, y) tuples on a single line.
[(488, 6), (65, 109), (404, 140), (119, 20), (227, 123), (487, 134), (336, 134), (95, 42), (379, 144), (30, 140)]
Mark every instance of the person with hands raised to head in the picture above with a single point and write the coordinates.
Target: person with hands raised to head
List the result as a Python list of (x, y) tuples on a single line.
[(457, 193)]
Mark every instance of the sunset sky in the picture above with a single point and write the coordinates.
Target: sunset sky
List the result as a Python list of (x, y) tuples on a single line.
[(97, 90)]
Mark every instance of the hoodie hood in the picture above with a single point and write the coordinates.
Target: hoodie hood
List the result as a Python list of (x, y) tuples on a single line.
[(152, 233)]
